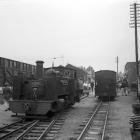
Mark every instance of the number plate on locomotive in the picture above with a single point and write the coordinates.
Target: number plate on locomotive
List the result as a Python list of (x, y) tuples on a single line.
[(36, 84)]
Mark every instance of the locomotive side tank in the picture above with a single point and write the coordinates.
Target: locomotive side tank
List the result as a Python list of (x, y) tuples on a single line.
[(50, 90), (105, 84)]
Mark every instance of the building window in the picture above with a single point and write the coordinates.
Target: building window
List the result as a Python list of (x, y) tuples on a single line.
[(15, 64), (11, 64)]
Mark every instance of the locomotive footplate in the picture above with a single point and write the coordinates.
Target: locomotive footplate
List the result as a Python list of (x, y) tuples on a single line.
[(30, 107)]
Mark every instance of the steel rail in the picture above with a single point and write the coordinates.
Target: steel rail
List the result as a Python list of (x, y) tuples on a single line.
[(47, 129), (103, 134), (16, 130), (83, 97), (27, 130), (90, 120), (2, 128)]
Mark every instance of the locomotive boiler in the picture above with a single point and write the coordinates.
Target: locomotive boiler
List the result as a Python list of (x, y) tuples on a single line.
[(50, 90)]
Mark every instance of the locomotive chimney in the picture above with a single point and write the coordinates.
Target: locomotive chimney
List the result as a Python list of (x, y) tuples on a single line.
[(39, 69)]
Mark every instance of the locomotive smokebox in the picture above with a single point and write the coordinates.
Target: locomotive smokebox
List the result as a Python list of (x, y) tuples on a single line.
[(39, 69)]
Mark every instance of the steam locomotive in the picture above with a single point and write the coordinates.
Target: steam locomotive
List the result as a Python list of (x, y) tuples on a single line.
[(49, 90)]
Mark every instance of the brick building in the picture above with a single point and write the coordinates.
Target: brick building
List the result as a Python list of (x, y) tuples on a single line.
[(130, 72), (81, 74)]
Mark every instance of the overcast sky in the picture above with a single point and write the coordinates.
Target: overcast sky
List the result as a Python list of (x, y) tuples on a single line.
[(83, 32)]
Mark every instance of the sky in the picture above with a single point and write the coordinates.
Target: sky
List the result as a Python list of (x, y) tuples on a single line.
[(79, 32)]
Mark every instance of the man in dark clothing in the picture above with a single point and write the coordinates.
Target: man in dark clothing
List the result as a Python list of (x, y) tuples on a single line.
[(125, 87), (92, 85)]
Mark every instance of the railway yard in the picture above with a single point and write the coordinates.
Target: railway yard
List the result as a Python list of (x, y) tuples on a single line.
[(63, 71), (109, 122)]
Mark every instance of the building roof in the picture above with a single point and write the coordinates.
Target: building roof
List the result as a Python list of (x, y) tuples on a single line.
[(75, 68)]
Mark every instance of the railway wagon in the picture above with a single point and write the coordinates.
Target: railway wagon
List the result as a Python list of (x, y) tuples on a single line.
[(105, 84), (49, 90)]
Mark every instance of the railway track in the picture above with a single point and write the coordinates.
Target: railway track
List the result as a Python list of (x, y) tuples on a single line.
[(31, 130), (94, 127), (84, 96)]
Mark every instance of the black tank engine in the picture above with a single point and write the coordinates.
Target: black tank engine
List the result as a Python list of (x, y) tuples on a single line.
[(51, 89)]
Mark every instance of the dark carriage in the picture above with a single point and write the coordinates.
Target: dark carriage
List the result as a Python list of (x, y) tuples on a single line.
[(105, 84)]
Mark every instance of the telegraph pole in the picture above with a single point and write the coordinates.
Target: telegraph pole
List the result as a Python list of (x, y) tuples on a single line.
[(117, 75), (117, 67), (134, 23)]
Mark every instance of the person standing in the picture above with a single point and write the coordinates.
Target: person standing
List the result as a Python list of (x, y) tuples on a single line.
[(92, 86), (119, 86), (125, 87)]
